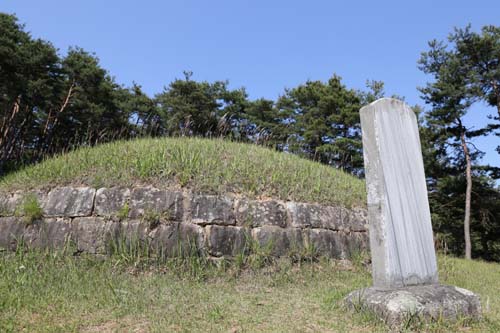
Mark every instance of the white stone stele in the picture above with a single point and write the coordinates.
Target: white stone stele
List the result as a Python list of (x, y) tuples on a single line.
[(401, 240)]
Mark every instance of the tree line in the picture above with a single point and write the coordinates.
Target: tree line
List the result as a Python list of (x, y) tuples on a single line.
[(52, 103)]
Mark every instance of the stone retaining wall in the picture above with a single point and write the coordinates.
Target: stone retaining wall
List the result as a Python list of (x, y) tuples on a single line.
[(172, 221)]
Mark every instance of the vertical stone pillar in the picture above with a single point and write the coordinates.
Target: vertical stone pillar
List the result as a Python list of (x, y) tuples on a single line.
[(401, 240)]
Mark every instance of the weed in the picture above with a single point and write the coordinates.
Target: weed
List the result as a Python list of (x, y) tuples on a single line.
[(152, 218), (129, 249), (307, 253), (30, 209), (448, 267), (97, 181), (239, 260), (359, 258), (259, 255), (123, 212), (215, 313)]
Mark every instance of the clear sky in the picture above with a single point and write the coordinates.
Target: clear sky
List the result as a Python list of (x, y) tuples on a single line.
[(264, 46)]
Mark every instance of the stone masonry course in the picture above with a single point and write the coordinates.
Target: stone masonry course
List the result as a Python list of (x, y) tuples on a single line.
[(174, 221)]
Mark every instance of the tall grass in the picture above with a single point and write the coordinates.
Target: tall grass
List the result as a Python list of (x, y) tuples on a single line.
[(210, 166)]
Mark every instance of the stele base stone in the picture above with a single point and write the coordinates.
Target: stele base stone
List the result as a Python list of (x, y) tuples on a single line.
[(433, 302), (404, 266)]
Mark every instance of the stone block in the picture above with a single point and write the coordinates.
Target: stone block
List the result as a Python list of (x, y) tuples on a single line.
[(326, 243), (15, 232), (110, 201), (44, 233), (49, 233), (168, 204), (10, 202), (93, 234), (210, 209), (305, 215), (354, 243), (426, 302), (69, 202), (252, 213), (282, 242), (11, 232), (54, 233), (356, 219), (226, 240), (133, 230), (178, 239)]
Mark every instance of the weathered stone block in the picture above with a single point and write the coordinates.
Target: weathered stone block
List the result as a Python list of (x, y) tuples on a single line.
[(210, 209), (93, 234), (178, 239), (169, 204), (428, 302), (354, 243), (110, 201), (281, 241), (46, 233), (259, 213), (49, 233), (326, 243), (55, 232), (11, 232), (305, 215), (133, 230), (226, 241), (69, 202), (9, 203), (4, 202), (356, 219)]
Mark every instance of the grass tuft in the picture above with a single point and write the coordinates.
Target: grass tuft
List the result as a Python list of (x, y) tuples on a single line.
[(30, 209), (123, 212)]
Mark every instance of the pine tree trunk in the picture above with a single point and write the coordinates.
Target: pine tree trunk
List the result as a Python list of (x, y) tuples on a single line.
[(468, 192), (498, 106), (496, 90)]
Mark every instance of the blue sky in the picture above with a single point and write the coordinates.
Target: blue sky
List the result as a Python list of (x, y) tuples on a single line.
[(264, 46)]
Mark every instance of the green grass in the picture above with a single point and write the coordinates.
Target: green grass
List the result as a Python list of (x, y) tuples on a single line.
[(210, 166), (55, 292), (30, 209)]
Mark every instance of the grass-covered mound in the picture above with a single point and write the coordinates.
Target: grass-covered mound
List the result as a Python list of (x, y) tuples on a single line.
[(210, 166)]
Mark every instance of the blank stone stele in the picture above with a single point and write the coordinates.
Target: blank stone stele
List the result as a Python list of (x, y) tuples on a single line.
[(404, 267), (398, 209)]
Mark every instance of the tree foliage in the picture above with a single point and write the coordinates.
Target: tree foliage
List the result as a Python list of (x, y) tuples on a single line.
[(464, 72), (325, 121)]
